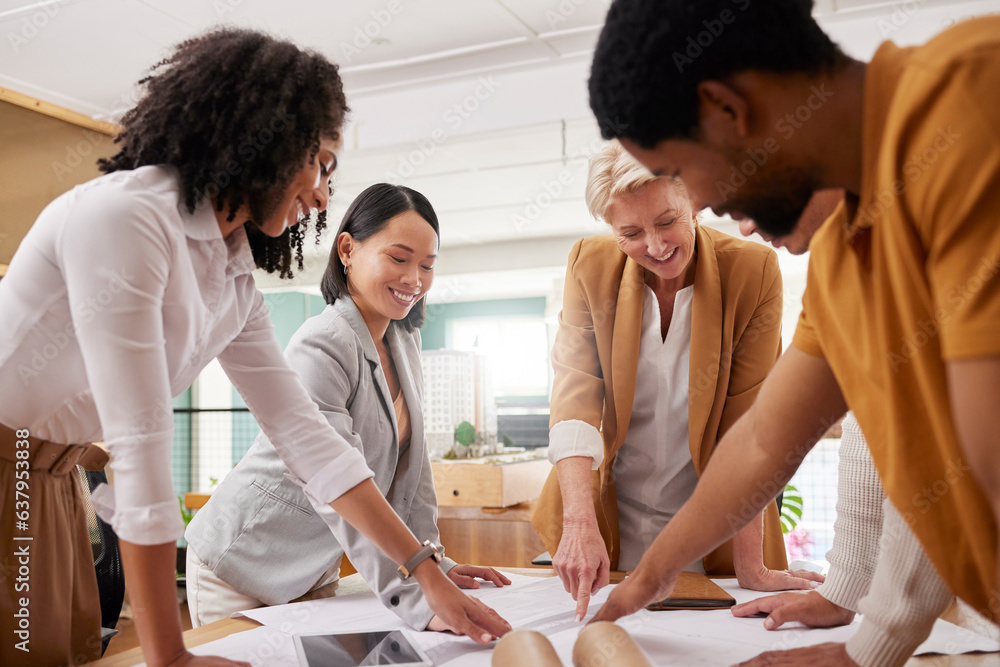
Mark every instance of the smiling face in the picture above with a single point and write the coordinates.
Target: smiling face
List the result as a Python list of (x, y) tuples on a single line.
[(309, 189), (655, 227), (731, 182), (391, 270)]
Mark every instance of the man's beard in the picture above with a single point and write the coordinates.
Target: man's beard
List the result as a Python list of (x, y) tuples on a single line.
[(777, 201)]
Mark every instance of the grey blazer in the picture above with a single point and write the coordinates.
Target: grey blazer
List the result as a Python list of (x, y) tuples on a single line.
[(259, 531)]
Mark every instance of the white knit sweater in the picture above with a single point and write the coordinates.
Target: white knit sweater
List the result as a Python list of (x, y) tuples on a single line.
[(893, 585)]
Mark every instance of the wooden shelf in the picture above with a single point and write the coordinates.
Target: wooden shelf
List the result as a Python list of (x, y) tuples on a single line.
[(55, 111), (480, 484)]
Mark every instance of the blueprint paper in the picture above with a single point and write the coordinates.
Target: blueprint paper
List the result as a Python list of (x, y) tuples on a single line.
[(692, 638)]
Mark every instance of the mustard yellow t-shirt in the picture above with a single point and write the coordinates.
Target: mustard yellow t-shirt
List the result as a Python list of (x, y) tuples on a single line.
[(907, 280)]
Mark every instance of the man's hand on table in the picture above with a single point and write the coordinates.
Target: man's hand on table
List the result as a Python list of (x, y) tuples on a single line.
[(464, 576), (821, 655), (761, 578), (582, 562), (633, 594), (810, 609)]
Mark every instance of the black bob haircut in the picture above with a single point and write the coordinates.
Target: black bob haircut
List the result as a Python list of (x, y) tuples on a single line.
[(237, 113), (367, 215), (652, 54)]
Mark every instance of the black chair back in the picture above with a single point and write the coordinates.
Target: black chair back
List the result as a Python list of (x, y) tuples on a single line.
[(107, 560)]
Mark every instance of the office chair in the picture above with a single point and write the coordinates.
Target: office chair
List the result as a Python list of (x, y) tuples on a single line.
[(107, 561)]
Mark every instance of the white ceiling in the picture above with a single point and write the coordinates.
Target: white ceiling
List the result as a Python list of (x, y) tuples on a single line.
[(86, 54), (479, 104)]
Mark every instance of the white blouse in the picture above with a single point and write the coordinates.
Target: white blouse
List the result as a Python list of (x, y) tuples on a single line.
[(114, 302), (653, 471)]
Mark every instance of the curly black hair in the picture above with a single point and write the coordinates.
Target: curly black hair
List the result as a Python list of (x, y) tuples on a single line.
[(238, 113), (367, 215), (652, 54)]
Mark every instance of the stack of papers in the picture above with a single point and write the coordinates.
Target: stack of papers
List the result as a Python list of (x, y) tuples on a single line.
[(669, 638)]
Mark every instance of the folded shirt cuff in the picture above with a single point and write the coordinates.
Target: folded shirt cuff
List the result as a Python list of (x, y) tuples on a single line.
[(338, 477), (874, 646), (573, 437), (147, 525), (844, 588)]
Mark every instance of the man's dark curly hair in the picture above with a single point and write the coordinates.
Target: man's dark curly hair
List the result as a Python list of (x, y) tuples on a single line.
[(652, 54), (238, 113)]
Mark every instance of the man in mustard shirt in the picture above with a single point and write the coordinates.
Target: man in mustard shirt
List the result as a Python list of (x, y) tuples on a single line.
[(756, 108)]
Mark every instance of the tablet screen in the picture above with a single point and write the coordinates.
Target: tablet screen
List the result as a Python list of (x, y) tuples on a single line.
[(356, 649)]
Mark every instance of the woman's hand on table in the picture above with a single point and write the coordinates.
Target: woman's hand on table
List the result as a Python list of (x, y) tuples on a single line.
[(582, 562), (761, 578), (810, 609), (439, 624), (464, 576), (454, 610)]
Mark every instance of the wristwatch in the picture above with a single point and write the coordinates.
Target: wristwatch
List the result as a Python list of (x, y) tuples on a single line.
[(426, 550)]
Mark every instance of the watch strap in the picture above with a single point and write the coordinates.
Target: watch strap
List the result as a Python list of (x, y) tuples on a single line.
[(426, 550)]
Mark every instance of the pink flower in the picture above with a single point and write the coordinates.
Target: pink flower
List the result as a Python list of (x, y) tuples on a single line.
[(799, 544)]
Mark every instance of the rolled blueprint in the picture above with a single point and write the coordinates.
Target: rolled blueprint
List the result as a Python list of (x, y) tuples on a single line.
[(605, 644), (525, 647)]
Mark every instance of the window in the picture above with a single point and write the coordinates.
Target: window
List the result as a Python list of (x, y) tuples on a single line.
[(517, 350)]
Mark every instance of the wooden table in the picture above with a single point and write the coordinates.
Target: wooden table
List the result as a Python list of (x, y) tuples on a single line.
[(501, 537), (355, 584)]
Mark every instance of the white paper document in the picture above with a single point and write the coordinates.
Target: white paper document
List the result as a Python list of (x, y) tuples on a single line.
[(690, 638)]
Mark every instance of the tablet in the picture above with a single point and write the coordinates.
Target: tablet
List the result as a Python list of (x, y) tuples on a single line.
[(359, 648)]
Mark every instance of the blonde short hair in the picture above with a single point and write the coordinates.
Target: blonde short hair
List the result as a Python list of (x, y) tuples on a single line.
[(613, 173)]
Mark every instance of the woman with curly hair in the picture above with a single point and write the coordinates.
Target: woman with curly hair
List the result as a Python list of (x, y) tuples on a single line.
[(122, 292)]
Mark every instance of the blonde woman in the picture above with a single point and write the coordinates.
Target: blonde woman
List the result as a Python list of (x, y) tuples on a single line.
[(667, 330)]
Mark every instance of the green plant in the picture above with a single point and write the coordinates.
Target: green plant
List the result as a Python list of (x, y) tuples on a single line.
[(791, 509), (465, 434), (186, 514)]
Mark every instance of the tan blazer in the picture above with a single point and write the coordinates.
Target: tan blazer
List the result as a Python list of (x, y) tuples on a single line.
[(735, 340)]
